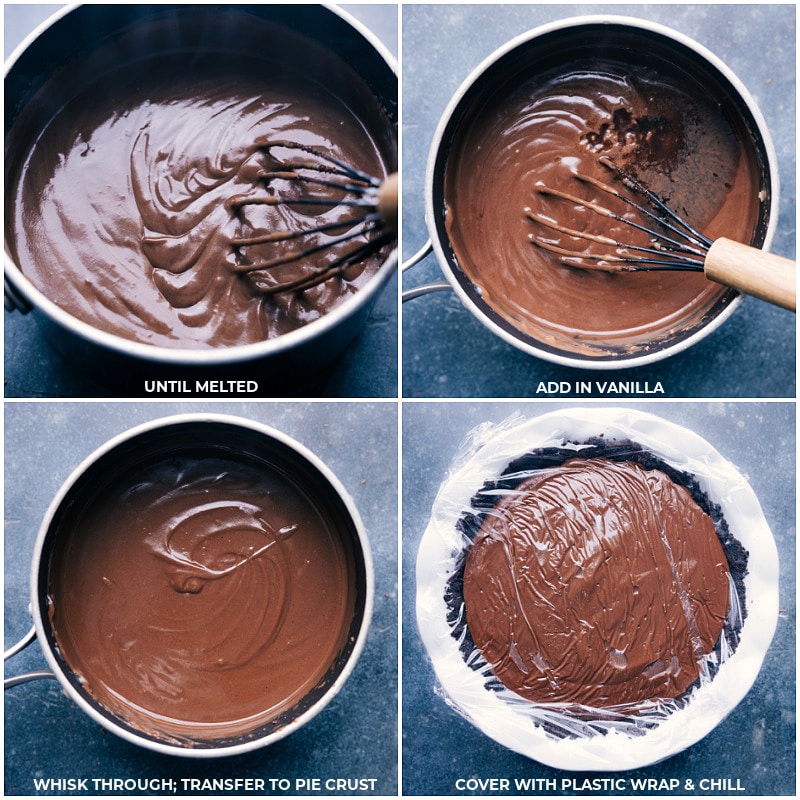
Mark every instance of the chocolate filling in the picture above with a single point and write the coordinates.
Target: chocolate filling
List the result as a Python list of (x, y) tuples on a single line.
[(542, 123), (599, 580), (202, 598), (123, 163)]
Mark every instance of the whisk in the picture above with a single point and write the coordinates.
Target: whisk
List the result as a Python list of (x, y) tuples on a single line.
[(674, 245), (371, 226)]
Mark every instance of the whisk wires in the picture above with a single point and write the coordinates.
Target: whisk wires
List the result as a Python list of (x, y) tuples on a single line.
[(673, 245), (352, 188)]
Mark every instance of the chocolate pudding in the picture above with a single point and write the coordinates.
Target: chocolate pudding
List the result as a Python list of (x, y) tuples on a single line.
[(546, 122), (123, 165), (596, 583), (201, 597), (602, 579)]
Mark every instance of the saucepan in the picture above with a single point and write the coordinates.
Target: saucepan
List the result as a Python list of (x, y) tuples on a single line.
[(243, 551), (76, 33), (541, 51)]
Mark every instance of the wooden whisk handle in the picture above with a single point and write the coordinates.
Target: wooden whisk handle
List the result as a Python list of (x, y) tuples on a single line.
[(387, 201), (753, 271)]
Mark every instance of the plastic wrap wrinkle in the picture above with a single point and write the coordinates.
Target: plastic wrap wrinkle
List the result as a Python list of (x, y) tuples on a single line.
[(573, 735)]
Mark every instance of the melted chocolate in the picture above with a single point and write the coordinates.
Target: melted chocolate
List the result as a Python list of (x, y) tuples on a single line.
[(199, 598), (119, 210), (541, 129), (597, 583)]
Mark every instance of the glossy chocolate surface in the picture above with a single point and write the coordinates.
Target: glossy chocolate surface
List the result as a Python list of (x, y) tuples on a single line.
[(596, 583), (201, 596)]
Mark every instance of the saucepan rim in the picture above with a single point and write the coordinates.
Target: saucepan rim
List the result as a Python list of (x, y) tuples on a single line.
[(40, 565)]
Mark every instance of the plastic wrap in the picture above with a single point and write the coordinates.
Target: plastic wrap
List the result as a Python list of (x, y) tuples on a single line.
[(576, 734)]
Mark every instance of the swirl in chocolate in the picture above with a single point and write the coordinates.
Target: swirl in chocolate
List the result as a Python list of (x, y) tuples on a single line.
[(119, 208), (597, 583), (200, 598), (542, 128)]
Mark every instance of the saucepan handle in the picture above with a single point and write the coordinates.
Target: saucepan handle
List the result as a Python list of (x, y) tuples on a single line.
[(15, 680), (427, 288)]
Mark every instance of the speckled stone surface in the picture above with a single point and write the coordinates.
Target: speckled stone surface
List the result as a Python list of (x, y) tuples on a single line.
[(368, 368), (355, 736), (754, 746), (447, 352)]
